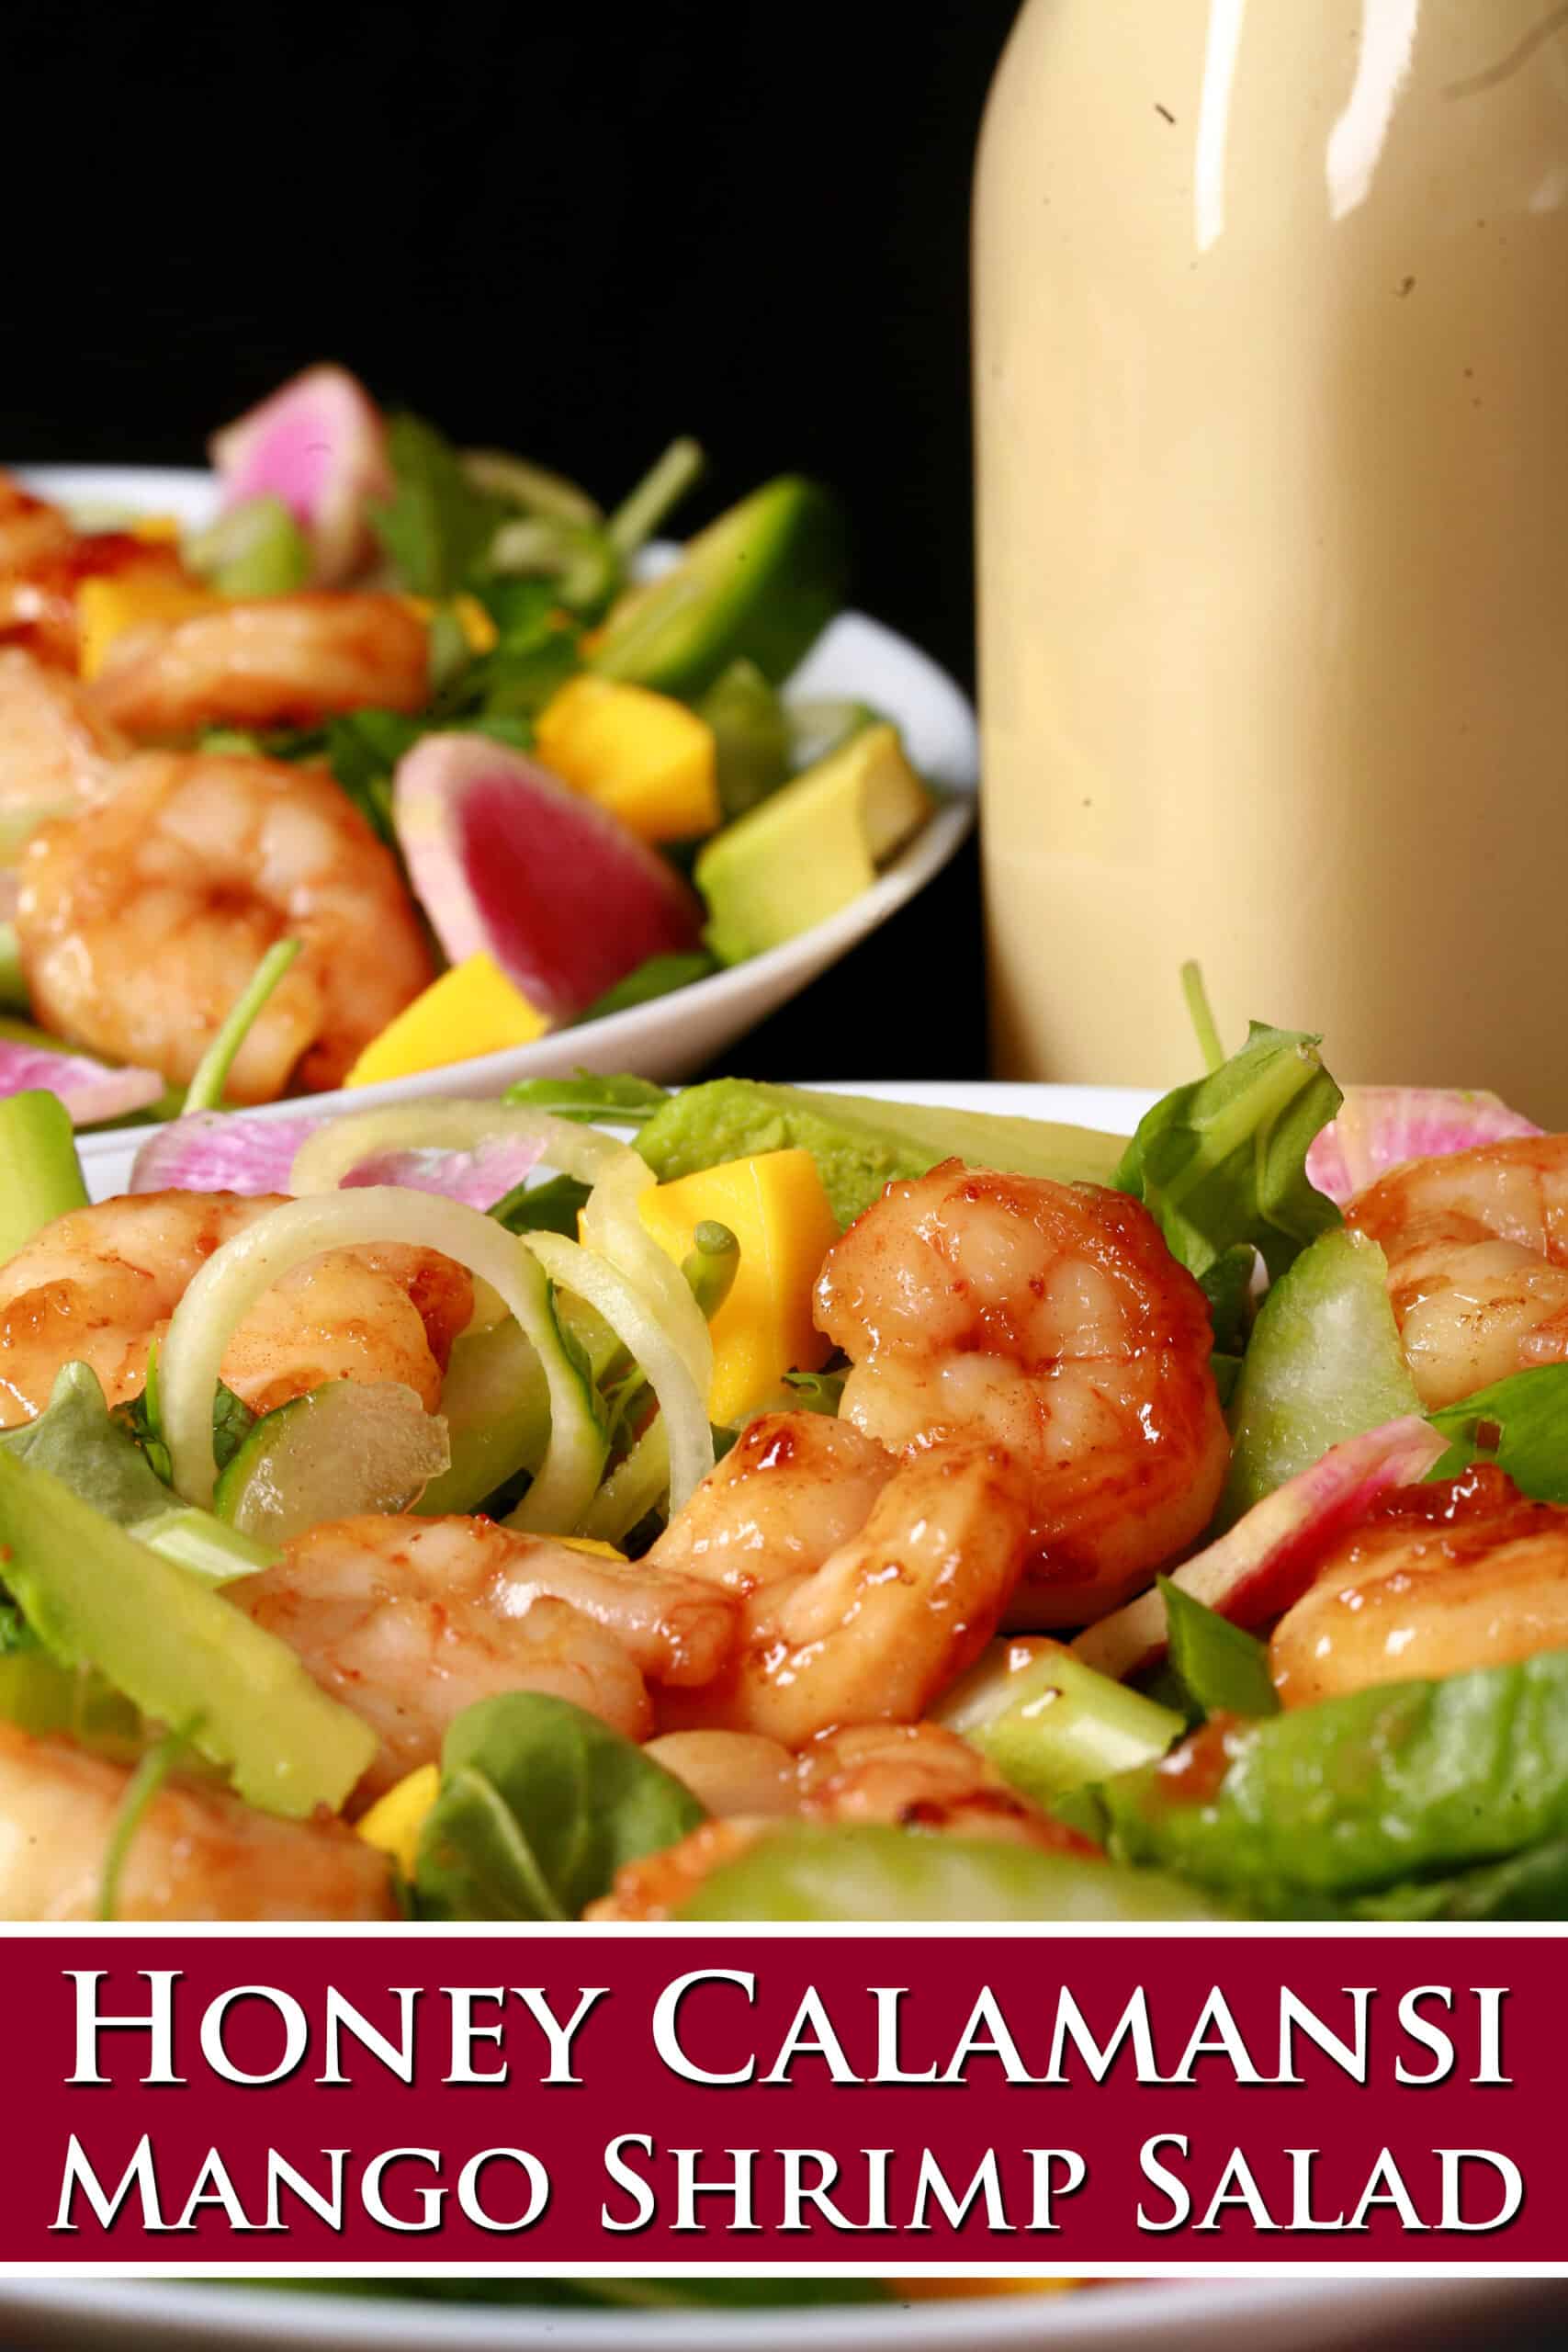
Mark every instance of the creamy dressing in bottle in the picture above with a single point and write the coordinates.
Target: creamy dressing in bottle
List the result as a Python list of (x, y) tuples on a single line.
[(1271, 351)]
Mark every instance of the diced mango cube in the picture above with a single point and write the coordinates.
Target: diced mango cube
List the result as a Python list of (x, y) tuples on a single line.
[(473, 1008), (776, 1206), (158, 530), (594, 1549), (644, 756), (108, 605), (395, 1820)]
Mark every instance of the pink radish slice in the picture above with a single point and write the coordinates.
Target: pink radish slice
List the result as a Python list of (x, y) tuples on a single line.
[(1378, 1127), (214, 1151), (90, 1090), (318, 443), (505, 857), (1267, 1560)]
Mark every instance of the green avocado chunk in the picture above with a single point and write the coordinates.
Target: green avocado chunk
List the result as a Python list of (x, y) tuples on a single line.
[(1382, 1786), (759, 586), (859, 1143)]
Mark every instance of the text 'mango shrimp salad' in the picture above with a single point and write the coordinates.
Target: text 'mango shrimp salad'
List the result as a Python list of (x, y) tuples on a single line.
[(812, 1509), (417, 710)]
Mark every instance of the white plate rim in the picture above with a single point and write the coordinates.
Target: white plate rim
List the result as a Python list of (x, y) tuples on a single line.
[(624, 1039)]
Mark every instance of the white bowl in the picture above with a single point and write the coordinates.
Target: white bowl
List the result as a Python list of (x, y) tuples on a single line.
[(855, 658), (1319, 2314)]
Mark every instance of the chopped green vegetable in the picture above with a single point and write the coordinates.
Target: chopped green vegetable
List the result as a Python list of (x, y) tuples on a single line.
[(540, 1805), (1054, 1723), (40, 1176), (95, 1597), (877, 1873), (1531, 1885), (590, 1099), (1222, 1668), (79, 1441), (553, 1207), (1367, 1791), (859, 1143), (346, 1447), (1325, 1363), (1202, 1017), (438, 524), (254, 549), (496, 1405), (1521, 1423), (205, 1091), (712, 1264), (751, 737), (656, 975), (1222, 1161), (517, 482), (201, 1544), (659, 492), (39, 1696)]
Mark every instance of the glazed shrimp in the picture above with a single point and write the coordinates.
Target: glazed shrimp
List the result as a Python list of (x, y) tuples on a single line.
[(98, 1285), (408, 1621), (197, 1853), (279, 662), (1051, 1319), (141, 921), (854, 1627), (1437, 1580), (909, 1776), (1477, 1250), (57, 751), (44, 561)]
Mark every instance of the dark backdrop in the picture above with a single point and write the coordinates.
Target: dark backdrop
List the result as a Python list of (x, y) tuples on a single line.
[(570, 230)]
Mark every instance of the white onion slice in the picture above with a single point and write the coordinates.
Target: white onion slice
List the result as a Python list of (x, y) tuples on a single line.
[(246, 1267), (683, 1405)]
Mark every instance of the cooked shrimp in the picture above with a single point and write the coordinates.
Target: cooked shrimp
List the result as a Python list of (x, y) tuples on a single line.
[(909, 1776), (866, 1623), (197, 1853), (1477, 1250), (98, 1285), (1051, 1319), (31, 533), (1437, 1580), (141, 921), (57, 751), (409, 1621), (280, 662)]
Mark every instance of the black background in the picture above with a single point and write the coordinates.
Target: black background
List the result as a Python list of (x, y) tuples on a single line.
[(571, 231)]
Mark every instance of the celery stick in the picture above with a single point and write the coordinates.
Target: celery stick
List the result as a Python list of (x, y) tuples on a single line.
[(40, 1176), (201, 1544), (1057, 1722), (640, 513), (95, 1597), (205, 1091)]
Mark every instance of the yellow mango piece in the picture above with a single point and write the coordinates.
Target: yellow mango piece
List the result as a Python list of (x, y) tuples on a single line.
[(394, 1821), (776, 1206), (479, 629), (592, 1545), (473, 1008), (106, 607), (644, 756), (158, 530)]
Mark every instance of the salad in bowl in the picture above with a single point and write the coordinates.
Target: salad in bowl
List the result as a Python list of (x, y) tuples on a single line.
[(757, 1502), (500, 768)]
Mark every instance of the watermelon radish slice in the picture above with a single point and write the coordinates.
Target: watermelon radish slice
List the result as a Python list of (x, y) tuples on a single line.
[(221, 1151), (506, 858), (1378, 1128), (1268, 1559), (320, 445), (91, 1091)]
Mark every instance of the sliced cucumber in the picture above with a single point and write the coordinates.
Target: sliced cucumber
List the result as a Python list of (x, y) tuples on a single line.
[(760, 585), (350, 1446), (496, 1405), (752, 736)]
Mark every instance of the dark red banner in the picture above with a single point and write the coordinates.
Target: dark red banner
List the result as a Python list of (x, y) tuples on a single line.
[(578, 2098)]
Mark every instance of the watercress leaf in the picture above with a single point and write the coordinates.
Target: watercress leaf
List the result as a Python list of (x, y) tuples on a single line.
[(78, 1442), (1521, 1423), (1222, 1668), (587, 1097), (657, 975), (553, 1207), (1227, 1287), (232, 1421), (436, 525), (1222, 1161), (540, 1805)]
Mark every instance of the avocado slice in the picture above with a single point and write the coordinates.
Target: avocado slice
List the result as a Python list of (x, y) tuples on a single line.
[(859, 1143), (811, 847), (760, 584)]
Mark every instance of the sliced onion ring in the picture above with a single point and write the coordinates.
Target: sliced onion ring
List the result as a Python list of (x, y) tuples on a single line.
[(683, 1405), (246, 1267)]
